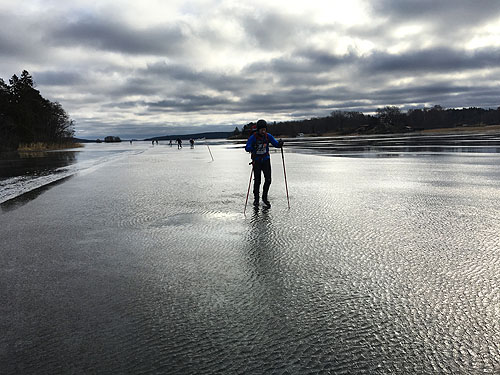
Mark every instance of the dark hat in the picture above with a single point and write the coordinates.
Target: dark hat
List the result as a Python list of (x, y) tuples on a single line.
[(261, 124)]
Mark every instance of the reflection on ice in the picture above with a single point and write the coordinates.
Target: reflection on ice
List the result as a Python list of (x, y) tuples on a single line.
[(146, 264), (391, 146), (23, 172)]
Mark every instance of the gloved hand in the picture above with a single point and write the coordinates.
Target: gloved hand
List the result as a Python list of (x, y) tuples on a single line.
[(280, 143)]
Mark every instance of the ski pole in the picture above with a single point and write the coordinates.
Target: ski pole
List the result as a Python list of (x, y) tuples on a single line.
[(204, 140), (284, 172), (210, 153), (248, 192)]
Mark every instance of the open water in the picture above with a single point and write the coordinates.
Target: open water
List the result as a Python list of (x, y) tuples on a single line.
[(388, 261)]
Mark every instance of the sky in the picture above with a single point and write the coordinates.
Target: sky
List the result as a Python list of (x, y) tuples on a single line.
[(145, 68)]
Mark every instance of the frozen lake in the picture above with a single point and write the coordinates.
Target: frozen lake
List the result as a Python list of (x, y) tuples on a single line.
[(141, 261)]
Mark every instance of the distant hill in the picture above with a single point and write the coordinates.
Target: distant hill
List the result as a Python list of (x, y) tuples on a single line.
[(208, 135), (110, 139)]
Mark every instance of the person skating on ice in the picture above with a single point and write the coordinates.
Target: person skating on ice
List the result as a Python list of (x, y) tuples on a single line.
[(258, 146)]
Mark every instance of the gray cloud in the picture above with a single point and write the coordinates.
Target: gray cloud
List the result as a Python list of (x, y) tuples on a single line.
[(224, 65), (444, 22), (8, 46), (219, 81), (59, 78), (18, 40), (463, 12), (302, 62), (102, 33), (190, 103), (273, 30), (432, 60)]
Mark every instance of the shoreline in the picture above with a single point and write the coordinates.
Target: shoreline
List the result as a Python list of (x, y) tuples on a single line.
[(42, 146), (463, 129), (451, 131)]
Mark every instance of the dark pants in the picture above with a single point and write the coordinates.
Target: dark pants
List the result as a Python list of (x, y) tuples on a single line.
[(258, 168)]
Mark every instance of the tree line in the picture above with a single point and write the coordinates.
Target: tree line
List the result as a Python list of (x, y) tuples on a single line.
[(27, 117), (388, 119)]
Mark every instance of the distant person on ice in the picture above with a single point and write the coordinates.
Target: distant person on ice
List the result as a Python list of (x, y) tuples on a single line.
[(191, 141), (258, 146), (179, 143)]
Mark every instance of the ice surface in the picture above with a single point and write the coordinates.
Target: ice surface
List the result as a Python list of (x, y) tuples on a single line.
[(148, 265)]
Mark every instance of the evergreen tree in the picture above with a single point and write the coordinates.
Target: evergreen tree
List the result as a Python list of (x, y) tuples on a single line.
[(25, 116)]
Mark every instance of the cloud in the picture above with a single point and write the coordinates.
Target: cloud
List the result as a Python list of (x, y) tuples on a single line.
[(8, 46), (190, 103), (432, 60), (122, 67), (463, 12), (112, 35), (203, 79), (59, 78), (444, 22), (273, 30), (301, 62)]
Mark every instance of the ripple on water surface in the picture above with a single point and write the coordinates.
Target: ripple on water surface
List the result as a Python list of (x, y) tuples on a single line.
[(380, 266)]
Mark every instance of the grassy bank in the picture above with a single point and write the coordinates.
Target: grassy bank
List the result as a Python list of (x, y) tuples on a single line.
[(42, 146)]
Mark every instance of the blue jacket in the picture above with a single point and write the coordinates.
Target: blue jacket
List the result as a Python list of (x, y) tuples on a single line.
[(259, 146)]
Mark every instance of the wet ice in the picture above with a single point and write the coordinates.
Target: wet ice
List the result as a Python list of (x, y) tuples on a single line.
[(147, 264)]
